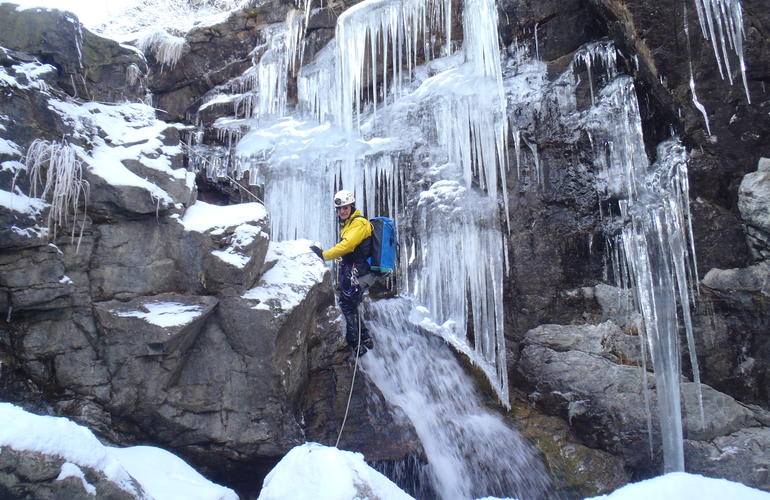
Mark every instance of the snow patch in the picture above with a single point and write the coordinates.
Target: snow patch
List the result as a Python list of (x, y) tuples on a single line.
[(681, 485), (202, 216), (164, 314), (9, 147), (60, 437), (316, 472), (68, 469), (21, 203), (285, 285), (167, 477)]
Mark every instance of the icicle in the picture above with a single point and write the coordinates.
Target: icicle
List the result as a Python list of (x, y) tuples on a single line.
[(375, 24), (656, 241), (167, 49), (603, 52), (721, 22), (698, 105)]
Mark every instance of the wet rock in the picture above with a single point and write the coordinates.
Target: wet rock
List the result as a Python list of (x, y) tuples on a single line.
[(577, 470), (373, 427)]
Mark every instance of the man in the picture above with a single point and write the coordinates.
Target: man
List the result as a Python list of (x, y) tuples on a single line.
[(354, 248)]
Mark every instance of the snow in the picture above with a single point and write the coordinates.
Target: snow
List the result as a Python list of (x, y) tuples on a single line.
[(160, 473), (130, 132), (166, 476), (684, 486), (21, 203), (124, 18), (316, 472), (202, 216), (68, 469), (9, 147), (242, 237), (165, 314), (296, 270), (61, 437)]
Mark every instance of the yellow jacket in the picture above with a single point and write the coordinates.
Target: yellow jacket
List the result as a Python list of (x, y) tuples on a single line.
[(355, 229)]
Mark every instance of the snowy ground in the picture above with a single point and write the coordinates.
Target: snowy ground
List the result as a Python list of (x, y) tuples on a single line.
[(316, 472), (163, 475), (308, 472)]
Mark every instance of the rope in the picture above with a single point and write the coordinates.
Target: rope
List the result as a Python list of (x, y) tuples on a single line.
[(352, 383)]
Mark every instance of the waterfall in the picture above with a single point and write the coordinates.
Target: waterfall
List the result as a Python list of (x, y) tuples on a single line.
[(471, 452)]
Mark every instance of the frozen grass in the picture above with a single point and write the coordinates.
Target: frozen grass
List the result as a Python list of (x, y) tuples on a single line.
[(57, 168)]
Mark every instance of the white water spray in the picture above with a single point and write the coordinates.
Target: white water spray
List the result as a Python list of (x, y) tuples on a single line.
[(471, 452)]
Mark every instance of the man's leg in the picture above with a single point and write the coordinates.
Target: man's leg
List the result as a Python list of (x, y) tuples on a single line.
[(349, 306)]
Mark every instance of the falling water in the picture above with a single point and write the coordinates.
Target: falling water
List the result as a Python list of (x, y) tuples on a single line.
[(471, 452)]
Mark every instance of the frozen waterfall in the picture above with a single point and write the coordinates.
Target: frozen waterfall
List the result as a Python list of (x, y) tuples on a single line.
[(418, 129), (655, 243)]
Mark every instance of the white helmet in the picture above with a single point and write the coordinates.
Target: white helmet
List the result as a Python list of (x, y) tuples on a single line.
[(343, 198)]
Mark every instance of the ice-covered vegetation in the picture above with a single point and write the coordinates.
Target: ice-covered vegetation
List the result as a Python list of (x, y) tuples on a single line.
[(57, 168), (166, 48)]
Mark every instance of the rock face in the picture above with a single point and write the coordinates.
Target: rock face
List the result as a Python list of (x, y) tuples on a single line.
[(576, 372), (89, 66), (252, 363)]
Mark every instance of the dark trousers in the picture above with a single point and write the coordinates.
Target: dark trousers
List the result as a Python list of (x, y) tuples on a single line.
[(351, 294)]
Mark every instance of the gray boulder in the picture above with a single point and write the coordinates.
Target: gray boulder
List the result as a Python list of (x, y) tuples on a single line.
[(134, 258), (574, 374), (35, 279), (742, 456), (754, 205), (731, 331), (223, 246), (162, 325)]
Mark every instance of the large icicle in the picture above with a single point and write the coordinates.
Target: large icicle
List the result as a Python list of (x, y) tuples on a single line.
[(656, 241), (460, 270)]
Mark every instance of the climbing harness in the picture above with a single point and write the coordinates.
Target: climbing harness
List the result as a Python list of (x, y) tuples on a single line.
[(352, 383)]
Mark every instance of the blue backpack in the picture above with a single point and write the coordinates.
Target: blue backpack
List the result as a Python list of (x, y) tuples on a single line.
[(384, 245)]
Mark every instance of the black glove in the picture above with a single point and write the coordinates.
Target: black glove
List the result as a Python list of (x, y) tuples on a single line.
[(317, 251)]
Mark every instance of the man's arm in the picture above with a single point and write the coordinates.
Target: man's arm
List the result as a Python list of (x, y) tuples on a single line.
[(359, 230)]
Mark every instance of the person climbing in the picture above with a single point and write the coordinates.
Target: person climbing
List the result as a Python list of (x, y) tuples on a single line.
[(353, 272)]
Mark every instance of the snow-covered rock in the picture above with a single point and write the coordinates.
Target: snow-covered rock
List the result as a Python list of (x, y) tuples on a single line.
[(316, 472)]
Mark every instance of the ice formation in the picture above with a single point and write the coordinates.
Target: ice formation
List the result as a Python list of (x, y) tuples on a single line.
[(166, 48), (655, 245)]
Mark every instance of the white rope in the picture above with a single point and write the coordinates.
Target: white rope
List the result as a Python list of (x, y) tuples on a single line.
[(352, 383)]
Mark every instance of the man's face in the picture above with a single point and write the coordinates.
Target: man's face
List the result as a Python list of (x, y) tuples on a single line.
[(344, 212)]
